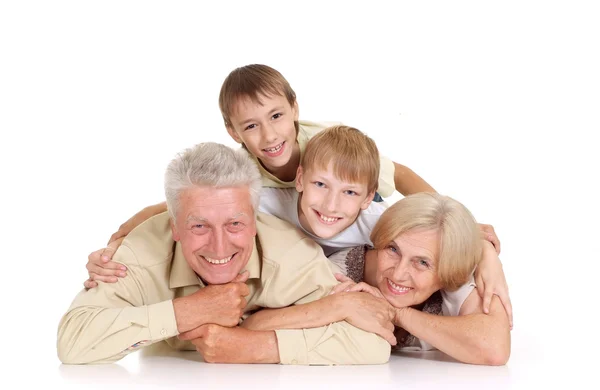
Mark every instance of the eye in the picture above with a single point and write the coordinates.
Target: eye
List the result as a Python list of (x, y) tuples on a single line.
[(392, 249), (422, 263), (236, 226), (319, 184), (350, 192), (277, 116), (250, 127)]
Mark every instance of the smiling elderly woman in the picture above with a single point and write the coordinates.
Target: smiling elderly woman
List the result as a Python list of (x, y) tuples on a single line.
[(426, 247)]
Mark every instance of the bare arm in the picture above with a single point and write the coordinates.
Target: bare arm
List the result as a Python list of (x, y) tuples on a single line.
[(137, 219), (407, 182), (471, 337)]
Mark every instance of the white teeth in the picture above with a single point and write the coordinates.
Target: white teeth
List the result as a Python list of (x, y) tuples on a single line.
[(275, 149), (398, 287), (327, 219), (217, 261)]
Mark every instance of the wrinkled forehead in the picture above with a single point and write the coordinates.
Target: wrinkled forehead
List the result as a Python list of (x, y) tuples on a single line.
[(213, 204)]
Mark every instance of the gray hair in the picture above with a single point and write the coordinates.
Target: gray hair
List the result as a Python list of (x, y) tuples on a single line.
[(210, 164)]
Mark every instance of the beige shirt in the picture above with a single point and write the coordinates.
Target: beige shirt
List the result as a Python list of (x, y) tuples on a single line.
[(106, 323), (307, 130)]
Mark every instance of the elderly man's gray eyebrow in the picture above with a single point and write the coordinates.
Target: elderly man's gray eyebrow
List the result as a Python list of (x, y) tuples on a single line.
[(202, 219)]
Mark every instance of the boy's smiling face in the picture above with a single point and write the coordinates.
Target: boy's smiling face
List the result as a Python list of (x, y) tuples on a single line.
[(327, 204), (267, 129)]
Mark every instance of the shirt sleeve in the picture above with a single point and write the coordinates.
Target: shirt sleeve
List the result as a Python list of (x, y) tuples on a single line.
[(387, 185), (106, 323), (305, 277), (337, 343)]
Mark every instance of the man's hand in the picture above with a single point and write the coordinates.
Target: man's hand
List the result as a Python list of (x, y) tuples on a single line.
[(369, 313), (221, 304), (218, 344)]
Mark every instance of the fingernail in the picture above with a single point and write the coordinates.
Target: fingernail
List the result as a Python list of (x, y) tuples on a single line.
[(123, 268), (105, 258), (122, 274)]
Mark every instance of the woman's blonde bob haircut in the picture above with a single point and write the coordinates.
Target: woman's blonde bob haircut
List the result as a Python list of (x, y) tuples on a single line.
[(460, 246)]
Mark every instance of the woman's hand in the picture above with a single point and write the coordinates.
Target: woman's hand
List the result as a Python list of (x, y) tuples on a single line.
[(490, 280), (100, 268)]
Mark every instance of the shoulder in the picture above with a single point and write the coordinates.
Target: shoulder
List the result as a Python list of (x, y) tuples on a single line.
[(282, 242), (148, 244), (311, 128), (453, 301)]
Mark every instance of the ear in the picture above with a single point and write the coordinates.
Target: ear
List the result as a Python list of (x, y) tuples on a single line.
[(296, 111), (176, 236), (236, 137), (299, 185), (367, 202)]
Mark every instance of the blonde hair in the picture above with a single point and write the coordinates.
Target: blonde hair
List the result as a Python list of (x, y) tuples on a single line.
[(252, 81), (353, 154), (211, 164), (460, 246)]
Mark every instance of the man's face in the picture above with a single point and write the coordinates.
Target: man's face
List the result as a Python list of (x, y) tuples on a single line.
[(216, 230), (327, 204), (267, 130)]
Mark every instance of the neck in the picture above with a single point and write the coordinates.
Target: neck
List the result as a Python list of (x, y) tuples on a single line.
[(287, 172)]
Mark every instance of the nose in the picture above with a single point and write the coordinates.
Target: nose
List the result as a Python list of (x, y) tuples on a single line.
[(402, 271), (269, 133), (218, 244), (330, 203)]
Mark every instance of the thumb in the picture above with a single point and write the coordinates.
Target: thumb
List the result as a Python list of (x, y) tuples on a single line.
[(241, 278)]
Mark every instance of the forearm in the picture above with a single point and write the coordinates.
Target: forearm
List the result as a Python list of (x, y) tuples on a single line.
[(407, 182), (89, 334), (158, 208), (337, 343), (308, 315), (474, 338)]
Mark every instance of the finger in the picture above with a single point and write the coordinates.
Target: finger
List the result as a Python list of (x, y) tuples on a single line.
[(495, 241), (388, 336), (487, 300), (115, 269), (342, 278), (192, 334), (340, 288), (89, 284), (102, 278), (508, 307), (244, 290), (241, 277), (390, 327), (480, 286)]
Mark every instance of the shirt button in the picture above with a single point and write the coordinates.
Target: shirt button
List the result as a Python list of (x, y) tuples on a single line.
[(163, 332)]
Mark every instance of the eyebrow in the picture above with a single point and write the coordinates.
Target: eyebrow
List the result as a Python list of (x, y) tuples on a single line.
[(201, 219), (275, 109), (354, 186)]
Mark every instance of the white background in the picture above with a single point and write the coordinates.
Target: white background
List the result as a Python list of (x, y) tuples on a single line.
[(495, 104)]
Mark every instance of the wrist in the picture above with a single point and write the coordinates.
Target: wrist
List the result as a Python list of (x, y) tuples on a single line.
[(265, 349), (401, 316), (187, 316)]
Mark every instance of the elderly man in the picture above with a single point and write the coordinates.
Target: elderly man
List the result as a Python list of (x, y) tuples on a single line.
[(197, 271)]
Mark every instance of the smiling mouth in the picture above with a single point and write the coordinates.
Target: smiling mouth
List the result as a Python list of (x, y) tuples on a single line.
[(222, 261), (275, 150), (325, 219), (397, 289)]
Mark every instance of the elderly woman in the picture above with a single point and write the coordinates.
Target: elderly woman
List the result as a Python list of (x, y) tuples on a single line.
[(419, 277)]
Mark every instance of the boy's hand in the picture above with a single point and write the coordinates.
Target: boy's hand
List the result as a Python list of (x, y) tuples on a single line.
[(100, 268), (490, 280), (488, 233)]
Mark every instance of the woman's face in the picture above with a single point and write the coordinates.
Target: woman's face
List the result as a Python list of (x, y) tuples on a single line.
[(406, 268)]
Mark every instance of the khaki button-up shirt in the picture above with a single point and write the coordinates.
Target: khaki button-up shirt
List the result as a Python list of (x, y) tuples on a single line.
[(106, 323)]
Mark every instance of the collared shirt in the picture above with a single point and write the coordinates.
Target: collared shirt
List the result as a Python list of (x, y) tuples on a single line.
[(106, 323), (307, 130)]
